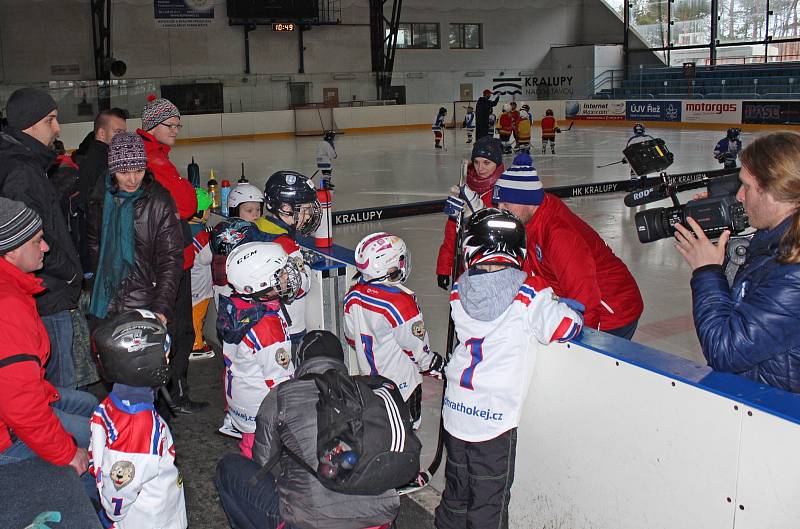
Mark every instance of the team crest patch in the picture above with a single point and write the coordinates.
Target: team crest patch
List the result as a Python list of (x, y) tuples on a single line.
[(282, 358), (418, 329), (538, 253), (122, 473)]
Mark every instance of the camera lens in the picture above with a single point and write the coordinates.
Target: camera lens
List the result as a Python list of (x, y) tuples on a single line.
[(652, 225)]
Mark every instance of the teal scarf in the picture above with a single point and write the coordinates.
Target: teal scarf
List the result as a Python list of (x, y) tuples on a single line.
[(117, 247)]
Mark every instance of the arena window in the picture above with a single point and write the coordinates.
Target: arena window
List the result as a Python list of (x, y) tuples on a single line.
[(466, 36)]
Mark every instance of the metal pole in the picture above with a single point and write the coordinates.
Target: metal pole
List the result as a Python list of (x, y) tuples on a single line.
[(712, 49), (301, 67)]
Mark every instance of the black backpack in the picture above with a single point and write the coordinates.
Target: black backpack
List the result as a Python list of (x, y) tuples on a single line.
[(365, 443)]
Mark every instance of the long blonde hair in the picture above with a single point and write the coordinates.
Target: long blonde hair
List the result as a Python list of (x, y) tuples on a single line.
[(774, 161)]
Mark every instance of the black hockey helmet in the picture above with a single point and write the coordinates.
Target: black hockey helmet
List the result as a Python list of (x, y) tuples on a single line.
[(733, 133), (494, 236), (442, 111), (230, 233), (638, 129), (526, 107), (329, 135), (132, 349), (291, 193), (548, 112)]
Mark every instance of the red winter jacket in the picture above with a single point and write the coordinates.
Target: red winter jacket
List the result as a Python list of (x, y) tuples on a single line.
[(578, 264), (182, 191), (25, 396), (447, 251)]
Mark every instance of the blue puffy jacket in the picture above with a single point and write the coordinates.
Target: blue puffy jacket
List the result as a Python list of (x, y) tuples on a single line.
[(752, 328)]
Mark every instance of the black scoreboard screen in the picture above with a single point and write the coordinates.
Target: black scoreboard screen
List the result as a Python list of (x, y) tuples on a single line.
[(273, 9)]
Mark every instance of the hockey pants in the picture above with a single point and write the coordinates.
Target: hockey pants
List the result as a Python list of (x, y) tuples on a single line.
[(478, 479), (505, 138), (552, 145), (437, 137)]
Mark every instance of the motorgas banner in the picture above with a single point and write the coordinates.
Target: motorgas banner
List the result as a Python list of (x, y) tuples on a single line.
[(712, 111), (653, 110), (595, 109)]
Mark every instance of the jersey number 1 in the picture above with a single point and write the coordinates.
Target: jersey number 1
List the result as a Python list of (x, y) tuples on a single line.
[(475, 347)]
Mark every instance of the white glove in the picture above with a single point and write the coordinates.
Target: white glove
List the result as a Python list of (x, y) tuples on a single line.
[(472, 199)]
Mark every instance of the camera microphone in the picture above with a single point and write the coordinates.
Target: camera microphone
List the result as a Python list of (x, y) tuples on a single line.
[(647, 195)]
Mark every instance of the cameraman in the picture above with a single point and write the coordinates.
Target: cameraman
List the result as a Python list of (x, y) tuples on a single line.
[(752, 328)]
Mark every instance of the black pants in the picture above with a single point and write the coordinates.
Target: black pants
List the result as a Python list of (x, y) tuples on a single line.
[(182, 332), (414, 403), (478, 479)]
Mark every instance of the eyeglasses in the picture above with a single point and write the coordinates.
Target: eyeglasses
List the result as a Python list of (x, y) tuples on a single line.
[(172, 127)]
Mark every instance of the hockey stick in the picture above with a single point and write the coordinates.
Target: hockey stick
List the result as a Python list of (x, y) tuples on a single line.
[(570, 125), (610, 164), (451, 328)]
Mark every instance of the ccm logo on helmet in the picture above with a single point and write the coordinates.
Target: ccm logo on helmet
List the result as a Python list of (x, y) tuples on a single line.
[(714, 108), (246, 256)]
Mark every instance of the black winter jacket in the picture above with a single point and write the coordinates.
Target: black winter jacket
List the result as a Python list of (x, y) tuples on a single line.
[(92, 158), (152, 283), (24, 162)]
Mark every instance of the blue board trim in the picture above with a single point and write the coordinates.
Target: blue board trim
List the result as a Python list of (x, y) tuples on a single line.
[(770, 400)]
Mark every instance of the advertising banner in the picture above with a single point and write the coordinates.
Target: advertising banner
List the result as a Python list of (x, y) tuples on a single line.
[(653, 110), (183, 13), (771, 112), (712, 111), (595, 109)]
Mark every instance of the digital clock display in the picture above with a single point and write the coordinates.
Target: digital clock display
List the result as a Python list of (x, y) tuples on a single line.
[(283, 26)]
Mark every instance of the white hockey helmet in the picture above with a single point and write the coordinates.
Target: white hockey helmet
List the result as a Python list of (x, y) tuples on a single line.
[(523, 114), (242, 193), (382, 256), (262, 270), (506, 107)]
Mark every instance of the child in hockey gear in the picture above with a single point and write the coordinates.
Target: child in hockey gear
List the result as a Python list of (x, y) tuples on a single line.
[(383, 323), (326, 153), (515, 118), (246, 201), (292, 208), (505, 128), (202, 291), (728, 148), (493, 124), (469, 123), (501, 317), (549, 129), (263, 278), (527, 108), (523, 133), (639, 135), (132, 455), (482, 173), (437, 128)]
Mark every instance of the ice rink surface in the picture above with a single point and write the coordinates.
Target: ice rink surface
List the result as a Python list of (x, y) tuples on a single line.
[(382, 168)]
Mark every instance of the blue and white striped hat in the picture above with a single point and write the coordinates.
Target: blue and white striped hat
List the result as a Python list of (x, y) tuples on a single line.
[(519, 184)]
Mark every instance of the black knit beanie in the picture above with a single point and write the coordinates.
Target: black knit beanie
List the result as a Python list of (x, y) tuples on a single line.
[(28, 106), (489, 148), (320, 343)]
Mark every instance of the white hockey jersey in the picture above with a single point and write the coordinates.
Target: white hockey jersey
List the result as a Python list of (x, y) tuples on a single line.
[(491, 367), (132, 458), (325, 155), (469, 120), (261, 361), (438, 123), (201, 269), (384, 325)]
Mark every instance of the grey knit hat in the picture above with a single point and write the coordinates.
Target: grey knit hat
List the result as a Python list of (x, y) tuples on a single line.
[(126, 153), (320, 343), (28, 106), (157, 111), (18, 224)]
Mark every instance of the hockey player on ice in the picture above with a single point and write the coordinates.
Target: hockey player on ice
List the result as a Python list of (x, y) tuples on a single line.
[(326, 153), (639, 135), (549, 130), (505, 128), (523, 133), (728, 148), (383, 323), (492, 125), (437, 128), (527, 108), (469, 123)]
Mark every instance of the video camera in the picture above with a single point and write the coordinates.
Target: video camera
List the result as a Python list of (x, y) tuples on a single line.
[(715, 214)]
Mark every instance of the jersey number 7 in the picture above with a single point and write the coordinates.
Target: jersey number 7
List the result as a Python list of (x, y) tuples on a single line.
[(475, 348)]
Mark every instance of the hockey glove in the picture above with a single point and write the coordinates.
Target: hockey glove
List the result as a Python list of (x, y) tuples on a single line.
[(436, 368), (453, 207), (443, 281), (471, 199), (624, 161), (558, 130)]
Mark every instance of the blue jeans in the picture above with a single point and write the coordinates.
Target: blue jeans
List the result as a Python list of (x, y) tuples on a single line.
[(73, 410), (247, 506), (626, 331), (60, 369)]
